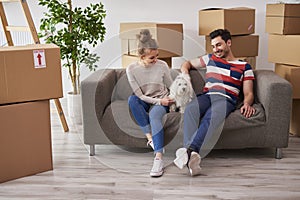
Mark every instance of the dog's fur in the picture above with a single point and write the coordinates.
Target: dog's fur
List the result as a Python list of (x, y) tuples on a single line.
[(181, 91)]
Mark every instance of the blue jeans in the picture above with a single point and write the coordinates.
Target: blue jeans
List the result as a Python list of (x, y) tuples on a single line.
[(204, 118), (149, 118)]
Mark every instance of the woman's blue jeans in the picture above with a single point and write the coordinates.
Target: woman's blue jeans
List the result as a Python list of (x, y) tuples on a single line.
[(149, 118), (204, 118)]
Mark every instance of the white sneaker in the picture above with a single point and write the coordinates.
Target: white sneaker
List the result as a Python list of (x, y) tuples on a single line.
[(150, 143), (194, 164), (158, 168), (181, 158)]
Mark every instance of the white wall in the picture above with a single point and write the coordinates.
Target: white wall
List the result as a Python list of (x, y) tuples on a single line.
[(170, 11)]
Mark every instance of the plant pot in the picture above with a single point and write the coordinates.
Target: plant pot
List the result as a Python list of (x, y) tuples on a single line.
[(74, 107)]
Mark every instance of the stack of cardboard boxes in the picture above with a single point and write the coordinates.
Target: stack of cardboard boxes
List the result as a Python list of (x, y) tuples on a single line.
[(29, 77), (168, 36), (283, 26), (241, 24)]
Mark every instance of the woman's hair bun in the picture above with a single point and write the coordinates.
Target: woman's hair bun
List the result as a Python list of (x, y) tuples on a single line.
[(145, 41), (144, 35)]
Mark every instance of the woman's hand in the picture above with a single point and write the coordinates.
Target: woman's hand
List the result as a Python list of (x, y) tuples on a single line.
[(166, 101)]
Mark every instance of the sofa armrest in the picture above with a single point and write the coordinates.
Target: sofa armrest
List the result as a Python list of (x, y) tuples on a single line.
[(101, 85), (96, 93), (275, 94)]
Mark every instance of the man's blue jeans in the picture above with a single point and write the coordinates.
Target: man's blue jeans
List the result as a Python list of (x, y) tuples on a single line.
[(203, 118), (149, 118)]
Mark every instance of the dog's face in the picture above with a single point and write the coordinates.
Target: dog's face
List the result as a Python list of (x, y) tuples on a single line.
[(182, 87)]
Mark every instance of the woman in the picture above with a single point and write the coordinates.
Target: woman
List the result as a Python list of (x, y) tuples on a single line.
[(150, 79)]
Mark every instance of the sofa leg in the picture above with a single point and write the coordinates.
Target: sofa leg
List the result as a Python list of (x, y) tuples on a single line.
[(278, 153), (92, 149)]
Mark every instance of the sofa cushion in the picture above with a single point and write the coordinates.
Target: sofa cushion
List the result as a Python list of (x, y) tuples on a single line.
[(119, 112), (197, 80), (236, 120)]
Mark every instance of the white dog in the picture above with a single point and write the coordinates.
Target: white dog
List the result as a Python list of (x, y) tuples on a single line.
[(181, 91)]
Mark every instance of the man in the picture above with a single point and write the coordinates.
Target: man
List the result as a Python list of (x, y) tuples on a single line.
[(225, 78)]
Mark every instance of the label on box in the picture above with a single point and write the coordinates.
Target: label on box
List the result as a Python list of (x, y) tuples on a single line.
[(39, 58)]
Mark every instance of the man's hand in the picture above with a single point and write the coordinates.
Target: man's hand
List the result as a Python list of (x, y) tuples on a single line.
[(247, 110), (185, 67)]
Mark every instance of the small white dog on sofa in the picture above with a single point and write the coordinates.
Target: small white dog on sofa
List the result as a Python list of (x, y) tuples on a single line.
[(181, 91)]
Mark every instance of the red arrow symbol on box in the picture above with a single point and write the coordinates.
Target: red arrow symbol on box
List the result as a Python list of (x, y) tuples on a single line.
[(39, 59)]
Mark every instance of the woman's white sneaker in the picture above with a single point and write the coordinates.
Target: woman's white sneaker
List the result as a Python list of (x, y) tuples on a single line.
[(150, 143), (181, 158), (158, 168)]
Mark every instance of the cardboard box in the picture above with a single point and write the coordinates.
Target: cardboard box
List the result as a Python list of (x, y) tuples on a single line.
[(295, 118), (129, 46), (239, 21), (242, 46), (283, 19), (31, 72), (168, 36), (292, 74), (284, 49), (25, 139), (128, 59)]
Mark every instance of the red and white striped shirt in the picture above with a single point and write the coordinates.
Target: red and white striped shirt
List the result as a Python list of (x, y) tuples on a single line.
[(225, 77)]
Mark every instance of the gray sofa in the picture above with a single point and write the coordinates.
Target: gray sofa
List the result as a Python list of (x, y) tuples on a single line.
[(107, 120)]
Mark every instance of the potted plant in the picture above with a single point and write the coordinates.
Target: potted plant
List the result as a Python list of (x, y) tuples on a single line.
[(73, 29)]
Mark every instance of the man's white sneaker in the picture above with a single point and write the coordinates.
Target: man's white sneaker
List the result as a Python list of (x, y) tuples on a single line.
[(158, 168), (194, 164), (181, 158)]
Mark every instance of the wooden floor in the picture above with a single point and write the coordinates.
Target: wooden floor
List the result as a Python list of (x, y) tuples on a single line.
[(117, 174)]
